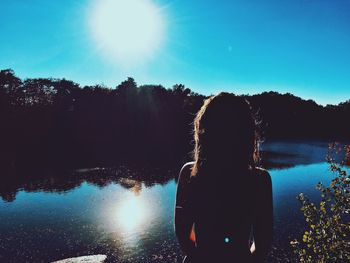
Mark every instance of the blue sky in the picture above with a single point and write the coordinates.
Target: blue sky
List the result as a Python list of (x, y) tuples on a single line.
[(242, 46)]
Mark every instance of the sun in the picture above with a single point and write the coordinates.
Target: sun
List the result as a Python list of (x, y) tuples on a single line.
[(127, 31)]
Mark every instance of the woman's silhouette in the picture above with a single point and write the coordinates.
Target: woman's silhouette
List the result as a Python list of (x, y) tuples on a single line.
[(223, 210)]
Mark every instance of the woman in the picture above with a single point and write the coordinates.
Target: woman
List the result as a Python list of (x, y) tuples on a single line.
[(223, 210)]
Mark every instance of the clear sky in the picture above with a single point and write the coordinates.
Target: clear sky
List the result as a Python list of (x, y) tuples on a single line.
[(242, 46)]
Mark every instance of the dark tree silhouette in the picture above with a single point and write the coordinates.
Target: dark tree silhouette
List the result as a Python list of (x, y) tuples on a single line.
[(58, 123)]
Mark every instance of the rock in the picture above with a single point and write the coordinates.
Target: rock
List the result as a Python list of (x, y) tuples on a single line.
[(84, 259)]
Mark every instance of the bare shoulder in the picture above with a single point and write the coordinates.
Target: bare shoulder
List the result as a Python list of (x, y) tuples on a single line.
[(262, 171), (182, 191), (185, 171), (187, 166), (263, 177)]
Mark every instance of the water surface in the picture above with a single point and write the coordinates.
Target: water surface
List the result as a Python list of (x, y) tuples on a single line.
[(130, 219)]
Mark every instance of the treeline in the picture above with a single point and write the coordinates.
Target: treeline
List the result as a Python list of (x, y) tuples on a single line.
[(56, 122)]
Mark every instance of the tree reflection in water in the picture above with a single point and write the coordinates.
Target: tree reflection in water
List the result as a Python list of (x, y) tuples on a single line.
[(65, 181), (124, 213)]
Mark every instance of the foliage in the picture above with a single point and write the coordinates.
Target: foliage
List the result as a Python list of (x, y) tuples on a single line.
[(327, 238), (56, 122)]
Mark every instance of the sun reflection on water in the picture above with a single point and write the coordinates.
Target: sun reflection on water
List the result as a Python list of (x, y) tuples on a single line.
[(131, 214)]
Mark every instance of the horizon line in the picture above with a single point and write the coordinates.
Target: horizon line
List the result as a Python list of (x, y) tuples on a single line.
[(206, 94)]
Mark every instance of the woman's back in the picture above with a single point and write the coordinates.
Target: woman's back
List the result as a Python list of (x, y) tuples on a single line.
[(224, 211), (221, 195)]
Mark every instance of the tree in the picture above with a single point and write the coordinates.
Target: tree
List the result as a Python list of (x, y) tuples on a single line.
[(38, 92), (9, 87), (327, 237)]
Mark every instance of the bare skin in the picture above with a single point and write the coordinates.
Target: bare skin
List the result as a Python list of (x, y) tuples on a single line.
[(261, 224)]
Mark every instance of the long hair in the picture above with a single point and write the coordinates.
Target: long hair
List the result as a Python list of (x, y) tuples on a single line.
[(225, 134)]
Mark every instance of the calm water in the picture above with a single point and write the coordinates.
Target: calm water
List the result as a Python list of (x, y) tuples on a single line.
[(113, 212)]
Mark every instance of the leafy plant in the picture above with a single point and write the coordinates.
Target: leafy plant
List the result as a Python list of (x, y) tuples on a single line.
[(327, 237)]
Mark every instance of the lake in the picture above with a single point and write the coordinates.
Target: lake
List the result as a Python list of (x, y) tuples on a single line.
[(117, 212)]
